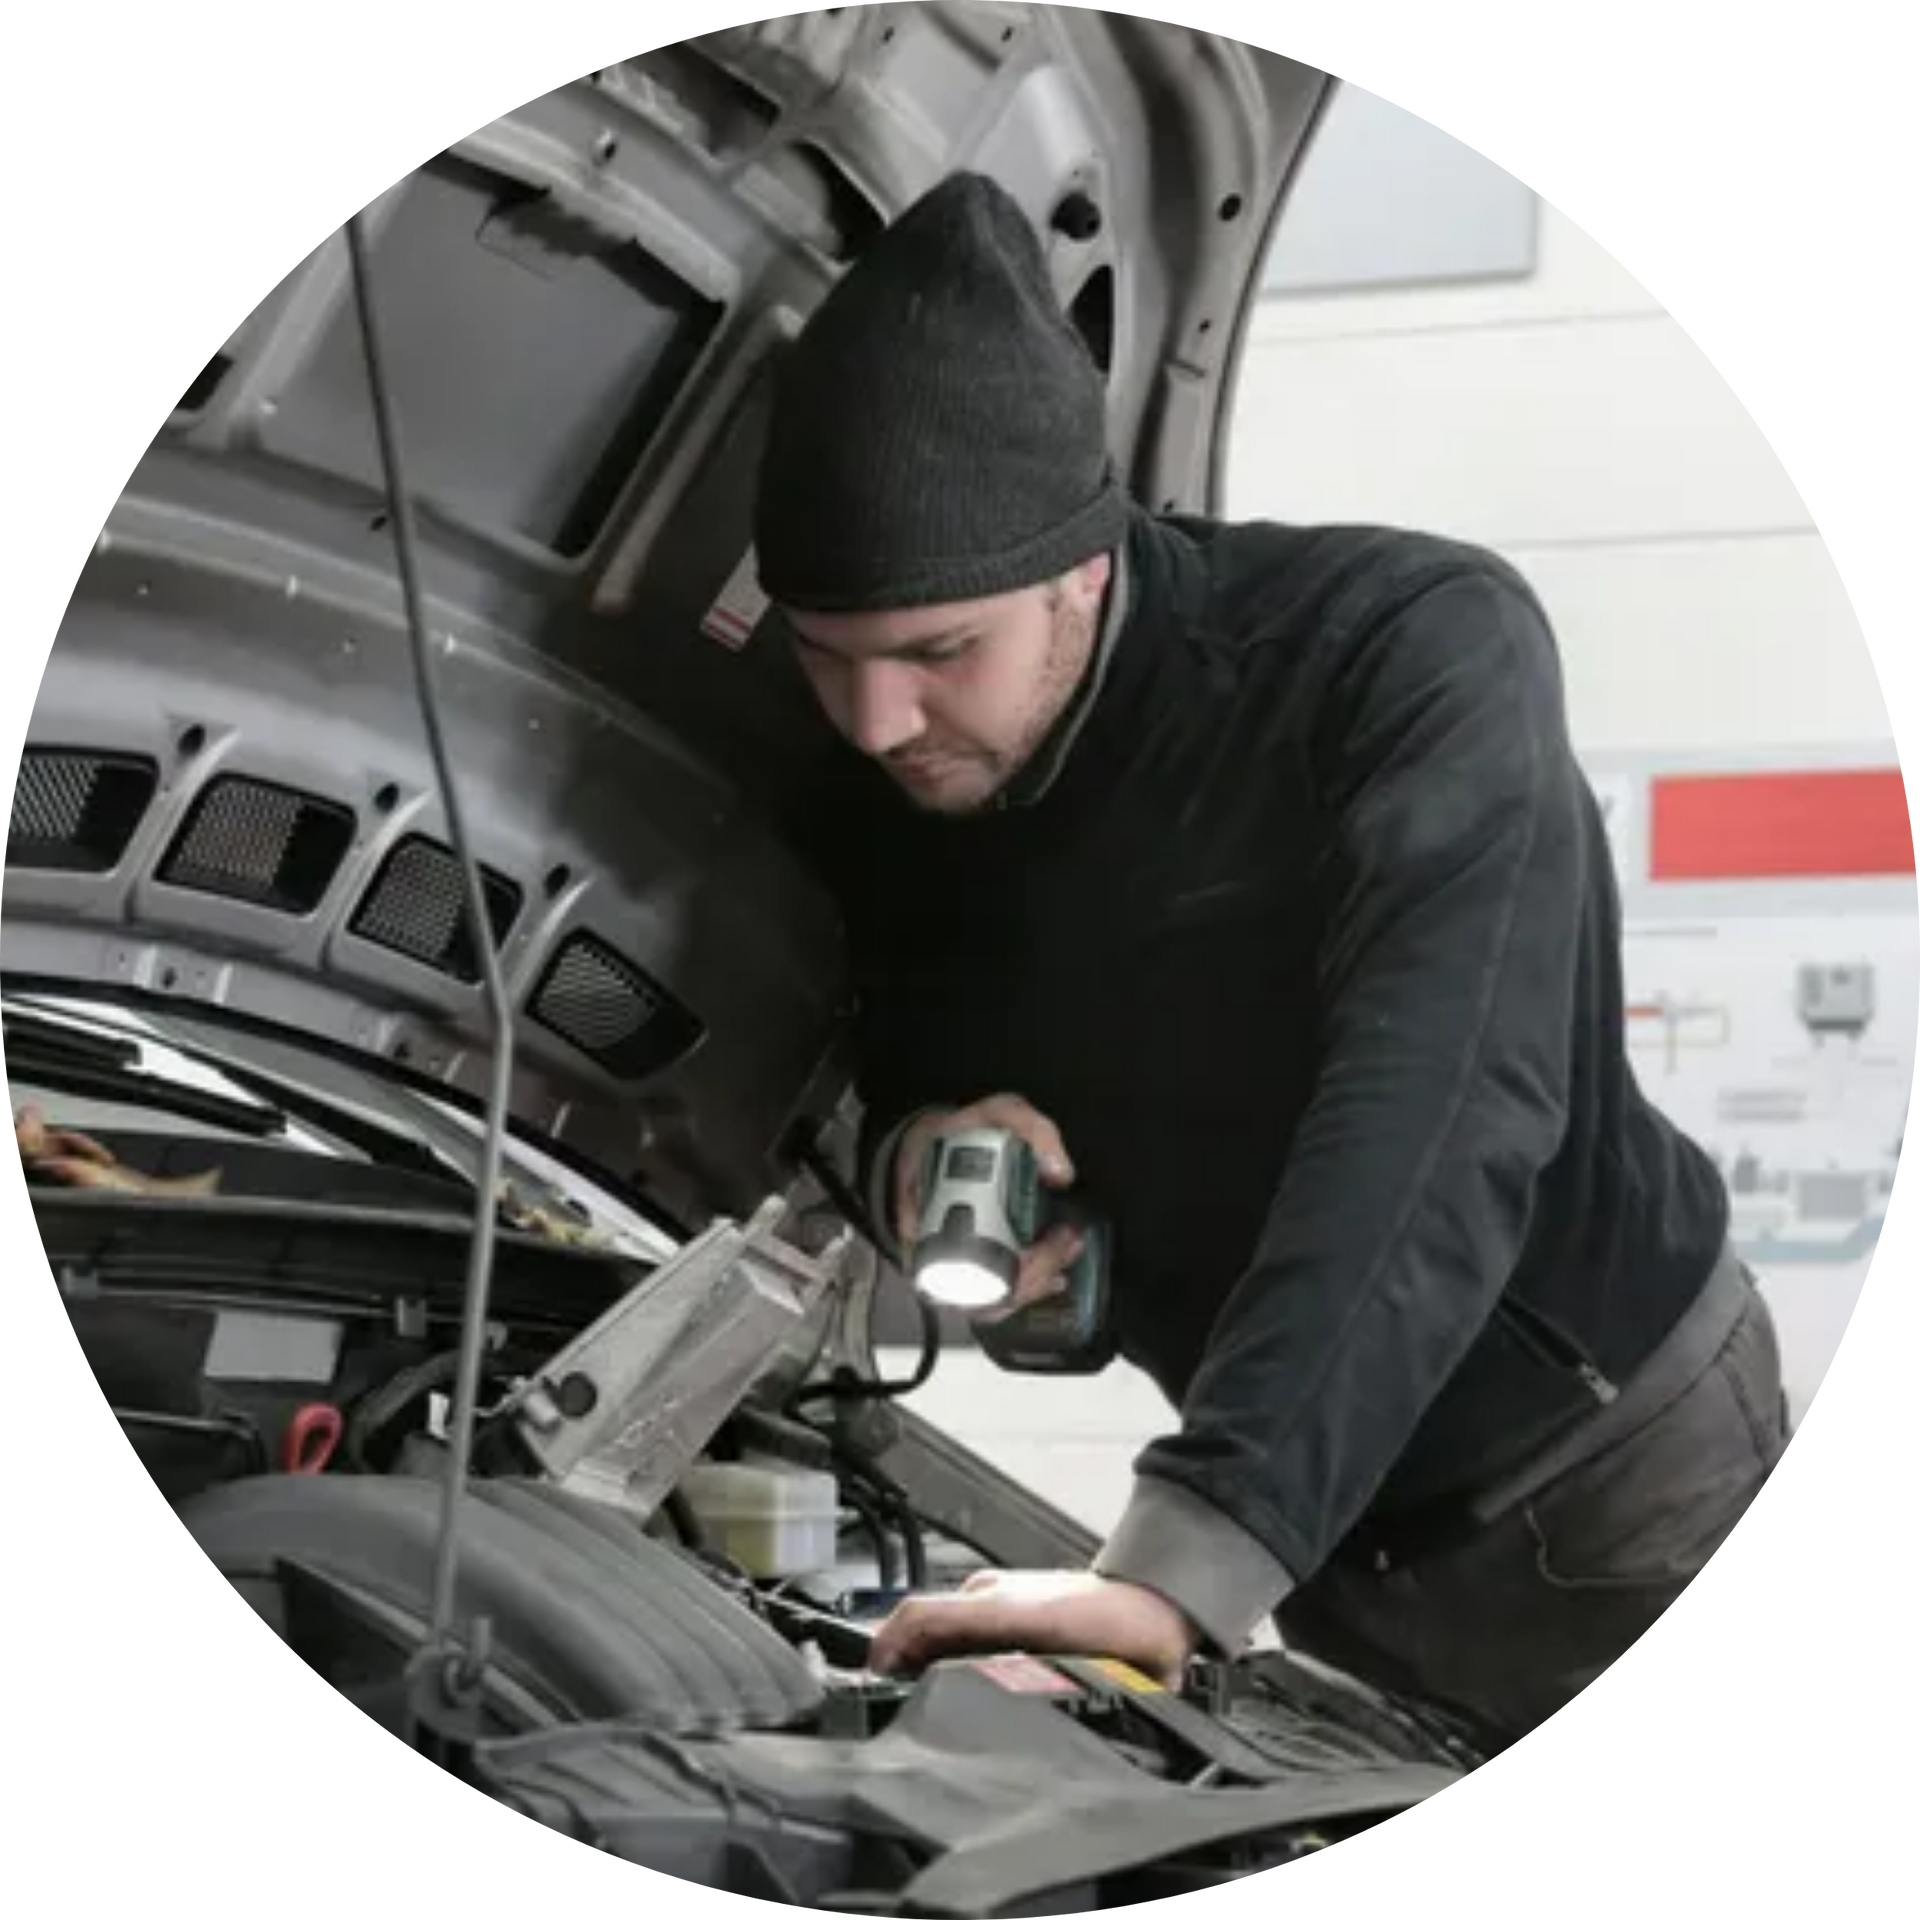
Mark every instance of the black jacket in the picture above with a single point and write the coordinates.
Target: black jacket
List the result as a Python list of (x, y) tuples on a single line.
[(1310, 945)]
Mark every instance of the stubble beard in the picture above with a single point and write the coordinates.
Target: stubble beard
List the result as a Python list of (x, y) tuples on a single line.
[(976, 776)]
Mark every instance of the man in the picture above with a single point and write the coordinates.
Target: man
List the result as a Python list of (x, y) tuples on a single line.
[(1248, 872)]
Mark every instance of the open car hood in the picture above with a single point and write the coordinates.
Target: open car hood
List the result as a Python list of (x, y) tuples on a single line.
[(226, 802)]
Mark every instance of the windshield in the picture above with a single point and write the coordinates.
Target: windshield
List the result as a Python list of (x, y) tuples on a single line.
[(180, 1098)]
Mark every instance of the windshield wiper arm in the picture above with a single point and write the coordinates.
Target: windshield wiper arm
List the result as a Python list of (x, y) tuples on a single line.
[(71, 1063), (383, 1146), (97, 1065)]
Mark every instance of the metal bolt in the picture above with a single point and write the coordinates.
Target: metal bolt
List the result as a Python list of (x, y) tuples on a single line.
[(576, 1396)]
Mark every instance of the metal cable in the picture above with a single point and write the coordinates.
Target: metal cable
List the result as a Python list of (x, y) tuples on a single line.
[(480, 1260)]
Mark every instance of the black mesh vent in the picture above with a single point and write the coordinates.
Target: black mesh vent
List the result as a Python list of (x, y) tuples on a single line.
[(74, 812), (417, 906), (267, 845), (612, 1011)]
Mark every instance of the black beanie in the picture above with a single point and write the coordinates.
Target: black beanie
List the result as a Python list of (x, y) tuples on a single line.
[(938, 430)]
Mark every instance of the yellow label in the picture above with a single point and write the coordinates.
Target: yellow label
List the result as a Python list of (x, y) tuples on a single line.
[(1129, 1677)]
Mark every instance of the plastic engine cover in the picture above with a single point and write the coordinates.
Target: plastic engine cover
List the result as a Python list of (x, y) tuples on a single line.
[(591, 1618)]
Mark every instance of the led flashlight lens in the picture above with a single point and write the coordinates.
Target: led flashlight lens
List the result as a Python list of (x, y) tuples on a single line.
[(962, 1284)]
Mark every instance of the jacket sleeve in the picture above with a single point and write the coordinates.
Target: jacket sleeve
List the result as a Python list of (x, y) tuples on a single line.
[(1454, 810)]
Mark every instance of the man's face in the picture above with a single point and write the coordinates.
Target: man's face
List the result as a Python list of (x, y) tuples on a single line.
[(954, 700)]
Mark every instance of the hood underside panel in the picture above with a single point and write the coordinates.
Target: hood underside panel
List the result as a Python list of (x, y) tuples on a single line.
[(226, 797)]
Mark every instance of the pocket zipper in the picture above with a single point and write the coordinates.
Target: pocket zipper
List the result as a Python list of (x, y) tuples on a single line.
[(1554, 1345)]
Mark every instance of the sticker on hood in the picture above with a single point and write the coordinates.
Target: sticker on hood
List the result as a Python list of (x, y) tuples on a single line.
[(739, 607)]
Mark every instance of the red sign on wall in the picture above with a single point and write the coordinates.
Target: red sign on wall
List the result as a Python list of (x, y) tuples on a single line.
[(1836, 824)]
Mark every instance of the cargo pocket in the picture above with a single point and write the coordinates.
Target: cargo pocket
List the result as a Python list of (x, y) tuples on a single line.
[(1653, 1563), (1644, 1517)]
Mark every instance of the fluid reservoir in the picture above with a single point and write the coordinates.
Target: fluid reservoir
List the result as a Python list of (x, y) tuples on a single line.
[(774, 1519)]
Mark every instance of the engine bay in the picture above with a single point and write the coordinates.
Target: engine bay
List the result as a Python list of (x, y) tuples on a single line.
[(685, 1522)]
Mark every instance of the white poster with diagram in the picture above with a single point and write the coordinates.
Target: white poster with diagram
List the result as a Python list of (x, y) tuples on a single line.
[(1786, 1046), (1785, 1043)]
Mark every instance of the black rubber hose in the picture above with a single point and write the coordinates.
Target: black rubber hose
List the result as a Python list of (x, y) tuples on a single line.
[(847, 1203), (885, 1555), (849, 1386), (914, 1539), (889, 1499), (851, 1208), (374, 1412)]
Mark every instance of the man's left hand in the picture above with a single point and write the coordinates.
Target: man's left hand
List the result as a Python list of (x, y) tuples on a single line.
[(1067, 1613)]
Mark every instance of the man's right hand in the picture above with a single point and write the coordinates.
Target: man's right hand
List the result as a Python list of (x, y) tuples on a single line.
[(1049, 1258)]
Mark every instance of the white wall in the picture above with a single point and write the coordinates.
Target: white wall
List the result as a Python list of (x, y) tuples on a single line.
[(1566, 421)]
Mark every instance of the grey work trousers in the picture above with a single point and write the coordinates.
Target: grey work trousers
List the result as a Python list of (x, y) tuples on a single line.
[(1567, 1563)]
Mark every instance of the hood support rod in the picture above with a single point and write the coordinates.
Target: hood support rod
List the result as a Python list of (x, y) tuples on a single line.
[(473, 1324)]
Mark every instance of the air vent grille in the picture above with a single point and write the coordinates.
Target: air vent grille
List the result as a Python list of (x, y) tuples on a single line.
[(417, 906), (75, 812), (266, 845), (610, 1009)]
